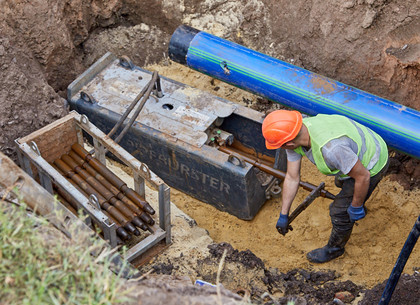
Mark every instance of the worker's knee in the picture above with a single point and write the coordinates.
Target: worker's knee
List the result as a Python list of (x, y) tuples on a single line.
[(340, 204), (338, 213), (338, 182)]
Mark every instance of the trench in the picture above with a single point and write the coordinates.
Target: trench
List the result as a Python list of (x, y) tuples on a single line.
[(375, 242), (328, 41)]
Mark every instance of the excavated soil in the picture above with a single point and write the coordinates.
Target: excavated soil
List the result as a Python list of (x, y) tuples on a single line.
[(370, 44)]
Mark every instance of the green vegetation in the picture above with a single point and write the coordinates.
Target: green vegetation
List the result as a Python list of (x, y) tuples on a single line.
[(39, 265)]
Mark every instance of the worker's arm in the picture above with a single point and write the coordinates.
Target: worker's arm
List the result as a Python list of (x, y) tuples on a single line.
[(361, 178), (290, 185)]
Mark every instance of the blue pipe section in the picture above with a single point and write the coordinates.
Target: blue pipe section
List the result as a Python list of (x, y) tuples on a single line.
[(295, 87)]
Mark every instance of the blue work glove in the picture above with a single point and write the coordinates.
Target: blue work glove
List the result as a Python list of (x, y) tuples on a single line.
[(282, 225), (356, 213)]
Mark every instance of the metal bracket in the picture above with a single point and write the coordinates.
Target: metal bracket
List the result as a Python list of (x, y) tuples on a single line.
[(273, 189)]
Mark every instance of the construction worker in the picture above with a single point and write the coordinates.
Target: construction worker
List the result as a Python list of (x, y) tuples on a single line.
[(339, 146)]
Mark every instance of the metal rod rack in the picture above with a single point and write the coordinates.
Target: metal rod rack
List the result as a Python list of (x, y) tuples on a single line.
[(35, 152)]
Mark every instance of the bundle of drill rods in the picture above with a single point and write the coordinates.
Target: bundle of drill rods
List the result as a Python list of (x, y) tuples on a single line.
[(123, 206)]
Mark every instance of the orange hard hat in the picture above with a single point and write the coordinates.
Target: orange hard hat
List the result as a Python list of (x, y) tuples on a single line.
[(281, 126)]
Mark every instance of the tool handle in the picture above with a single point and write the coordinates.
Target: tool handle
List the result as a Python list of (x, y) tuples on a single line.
[(307, 201)]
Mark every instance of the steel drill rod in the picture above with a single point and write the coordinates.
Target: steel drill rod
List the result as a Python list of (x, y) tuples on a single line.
[(111, 177), (68, 172), (64, 201), (131, 205), (127, 112), (120, 195), (121, 232), (102, 202), (123, 219), (274, 172), (131, 211), (65, 196), (149, 89), (102, 190)]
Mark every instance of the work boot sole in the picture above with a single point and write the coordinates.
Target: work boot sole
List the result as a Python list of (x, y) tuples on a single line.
[(324, 254)]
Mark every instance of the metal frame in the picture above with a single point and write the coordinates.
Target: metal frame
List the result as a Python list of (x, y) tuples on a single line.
[(29, 155)]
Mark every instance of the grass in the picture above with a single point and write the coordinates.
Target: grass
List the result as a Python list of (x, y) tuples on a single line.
[(39, 265)]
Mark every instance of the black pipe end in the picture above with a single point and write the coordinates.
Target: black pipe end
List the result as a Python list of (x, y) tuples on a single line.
[(123, 234), (148, 209), (180, 42)]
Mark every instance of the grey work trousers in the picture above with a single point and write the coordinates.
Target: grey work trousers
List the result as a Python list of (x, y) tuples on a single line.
[(340, 219)]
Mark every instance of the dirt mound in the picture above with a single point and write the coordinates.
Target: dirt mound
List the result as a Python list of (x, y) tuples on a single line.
[(246, 258), (270, 286), (406, 291), (404, 170)]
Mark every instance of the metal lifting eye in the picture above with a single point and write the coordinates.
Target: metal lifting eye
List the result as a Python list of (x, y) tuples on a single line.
[(87, 97), (236, 160), (34, 147), (225, 68), (84, 119), (126, 62), (145, 169), (93, 200)]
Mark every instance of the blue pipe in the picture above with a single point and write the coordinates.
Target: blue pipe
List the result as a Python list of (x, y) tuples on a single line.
[(295, 87)]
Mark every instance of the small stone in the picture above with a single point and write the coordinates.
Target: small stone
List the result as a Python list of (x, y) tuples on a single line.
[(369, 18), (344, 296), (348, 4), (144, 27)]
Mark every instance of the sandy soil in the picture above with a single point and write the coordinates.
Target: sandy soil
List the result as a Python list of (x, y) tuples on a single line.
[(370, 254)]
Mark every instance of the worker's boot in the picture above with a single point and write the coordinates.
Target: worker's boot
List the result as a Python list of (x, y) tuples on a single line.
[(332, 250)]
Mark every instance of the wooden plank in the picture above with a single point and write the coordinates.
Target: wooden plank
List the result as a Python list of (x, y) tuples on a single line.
[(52, 125), (54, 139)]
